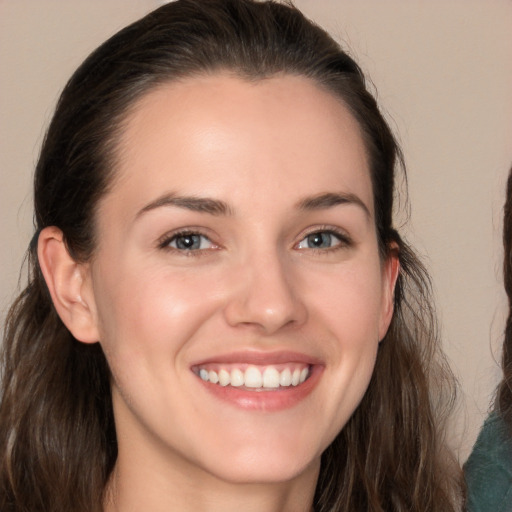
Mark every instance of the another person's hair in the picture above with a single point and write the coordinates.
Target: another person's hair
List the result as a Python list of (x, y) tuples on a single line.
[(503, 402), (57, 435)]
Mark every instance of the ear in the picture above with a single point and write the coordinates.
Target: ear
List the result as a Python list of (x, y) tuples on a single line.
[(69, 285), (390, 271)]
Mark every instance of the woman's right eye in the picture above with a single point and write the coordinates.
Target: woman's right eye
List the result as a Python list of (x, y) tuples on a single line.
[(188, 242)]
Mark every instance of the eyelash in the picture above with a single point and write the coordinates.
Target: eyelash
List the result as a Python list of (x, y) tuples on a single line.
[(344, 241), (166, 240)]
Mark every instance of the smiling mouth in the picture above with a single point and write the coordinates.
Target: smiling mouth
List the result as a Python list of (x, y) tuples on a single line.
[(254, 377)]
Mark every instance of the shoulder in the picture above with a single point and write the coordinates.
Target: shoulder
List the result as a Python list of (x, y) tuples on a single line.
[(488, 470)]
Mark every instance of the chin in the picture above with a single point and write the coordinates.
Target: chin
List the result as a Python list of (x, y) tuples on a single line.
[(263, 465)]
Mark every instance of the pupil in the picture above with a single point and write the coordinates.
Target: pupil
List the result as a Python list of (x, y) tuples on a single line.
[(188, 242), (319, 240)]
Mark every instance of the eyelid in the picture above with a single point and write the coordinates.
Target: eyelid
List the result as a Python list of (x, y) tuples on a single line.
[(164, 241), (340, 234)]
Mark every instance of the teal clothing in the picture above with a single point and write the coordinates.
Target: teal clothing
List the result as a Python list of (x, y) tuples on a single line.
[(488, 470)]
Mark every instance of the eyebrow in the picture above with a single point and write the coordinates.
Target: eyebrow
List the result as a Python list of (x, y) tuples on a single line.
[(196, 204), (219, 208), (330, 199)]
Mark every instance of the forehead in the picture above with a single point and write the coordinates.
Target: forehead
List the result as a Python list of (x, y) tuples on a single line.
[(223, 136)]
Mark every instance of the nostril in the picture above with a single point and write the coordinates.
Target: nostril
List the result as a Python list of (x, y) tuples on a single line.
[(266, 307)]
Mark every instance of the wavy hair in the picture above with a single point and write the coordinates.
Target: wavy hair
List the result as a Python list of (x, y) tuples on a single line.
[(504, 395), (57, 436)]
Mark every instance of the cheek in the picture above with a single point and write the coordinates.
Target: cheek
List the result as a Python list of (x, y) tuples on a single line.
[(348, 300), (149, 320), (347, 307), (144, 313), (355, 319)]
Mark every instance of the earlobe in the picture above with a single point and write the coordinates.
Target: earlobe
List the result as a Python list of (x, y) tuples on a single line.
[(68, 283), (391, 271)]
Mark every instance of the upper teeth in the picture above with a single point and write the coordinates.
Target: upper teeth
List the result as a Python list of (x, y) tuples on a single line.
[(255, 377)]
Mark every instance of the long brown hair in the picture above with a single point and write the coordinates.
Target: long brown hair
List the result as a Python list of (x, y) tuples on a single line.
[(504, 396), (57, 437)]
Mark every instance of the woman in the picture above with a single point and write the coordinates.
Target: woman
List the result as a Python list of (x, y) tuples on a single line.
[(489, 467), (220, 314)]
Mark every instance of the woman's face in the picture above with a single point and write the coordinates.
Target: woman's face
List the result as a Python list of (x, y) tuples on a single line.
[(237, 288)]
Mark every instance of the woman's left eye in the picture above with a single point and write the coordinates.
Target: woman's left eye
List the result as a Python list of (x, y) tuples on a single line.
[(321, 240), (189, 242)]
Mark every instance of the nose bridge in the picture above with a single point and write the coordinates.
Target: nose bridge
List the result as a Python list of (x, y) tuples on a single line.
[(264, 292)]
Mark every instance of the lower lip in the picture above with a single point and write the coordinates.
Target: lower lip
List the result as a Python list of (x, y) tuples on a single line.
[(265, 400)]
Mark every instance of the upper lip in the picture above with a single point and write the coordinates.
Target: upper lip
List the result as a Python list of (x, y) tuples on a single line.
[(260, 358)]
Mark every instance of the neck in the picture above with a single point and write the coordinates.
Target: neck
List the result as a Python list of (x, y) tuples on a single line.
[(139, 484)]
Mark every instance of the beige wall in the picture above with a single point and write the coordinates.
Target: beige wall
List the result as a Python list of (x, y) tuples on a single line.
[(443, 71)]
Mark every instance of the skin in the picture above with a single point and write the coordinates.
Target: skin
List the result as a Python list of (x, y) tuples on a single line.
[(266, 150)]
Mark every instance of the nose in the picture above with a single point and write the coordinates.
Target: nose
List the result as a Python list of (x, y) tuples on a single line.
[(264, 295)]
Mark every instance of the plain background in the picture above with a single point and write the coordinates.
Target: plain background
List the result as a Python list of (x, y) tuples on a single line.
[(443, 75)]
